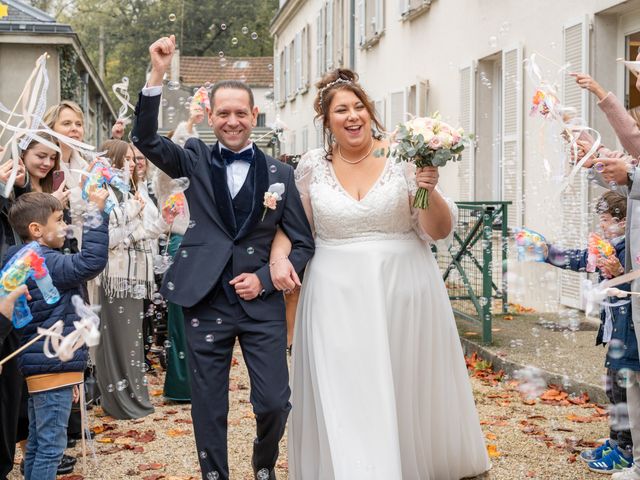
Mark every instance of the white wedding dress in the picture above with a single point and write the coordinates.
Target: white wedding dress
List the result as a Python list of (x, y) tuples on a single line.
[(379, 383)]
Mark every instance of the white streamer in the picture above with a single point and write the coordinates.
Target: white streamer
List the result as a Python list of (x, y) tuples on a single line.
[(86, 333), (571, 125), (121, 91)]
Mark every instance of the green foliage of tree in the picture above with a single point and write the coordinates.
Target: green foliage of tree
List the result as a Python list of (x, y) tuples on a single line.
[(130, 26)]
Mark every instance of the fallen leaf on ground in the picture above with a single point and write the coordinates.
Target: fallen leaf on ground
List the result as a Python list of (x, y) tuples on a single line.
[(174, 432), (150, 466), (492, 450)]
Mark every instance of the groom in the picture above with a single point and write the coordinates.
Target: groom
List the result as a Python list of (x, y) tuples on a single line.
[(221, 272)]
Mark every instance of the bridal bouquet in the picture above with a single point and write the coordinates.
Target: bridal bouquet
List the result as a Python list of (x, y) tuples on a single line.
[(427, 142)]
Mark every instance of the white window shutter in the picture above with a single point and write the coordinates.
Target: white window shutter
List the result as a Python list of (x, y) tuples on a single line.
[(575, 198), (339, 31), (277, 83), (511, 149), (298, 56), (287, 71), (362, 21), (320, 43), (467, 122), (423, 96), (379, 27), (396, 109), (404, 6), (329, 36)]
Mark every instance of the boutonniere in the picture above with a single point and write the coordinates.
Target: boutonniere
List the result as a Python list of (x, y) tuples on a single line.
[(272, 197)]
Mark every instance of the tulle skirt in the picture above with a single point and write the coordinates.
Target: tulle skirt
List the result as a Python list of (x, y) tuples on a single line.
[(379, 384)]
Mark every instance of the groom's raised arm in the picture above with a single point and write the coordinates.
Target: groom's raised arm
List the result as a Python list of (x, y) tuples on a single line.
[(162, 152)]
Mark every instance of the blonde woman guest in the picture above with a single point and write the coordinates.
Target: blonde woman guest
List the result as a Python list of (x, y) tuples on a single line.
[(67, 119)]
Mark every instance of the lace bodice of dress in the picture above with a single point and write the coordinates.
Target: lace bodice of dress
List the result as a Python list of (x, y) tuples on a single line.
[(384, 213)]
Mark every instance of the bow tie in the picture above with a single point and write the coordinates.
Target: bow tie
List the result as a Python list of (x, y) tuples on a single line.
[(229, 157)]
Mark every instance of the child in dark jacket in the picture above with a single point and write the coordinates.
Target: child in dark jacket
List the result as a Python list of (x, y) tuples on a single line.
[(616, 330), (52, 383)]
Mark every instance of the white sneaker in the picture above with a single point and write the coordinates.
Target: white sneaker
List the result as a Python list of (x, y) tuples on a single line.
[(626, 474)]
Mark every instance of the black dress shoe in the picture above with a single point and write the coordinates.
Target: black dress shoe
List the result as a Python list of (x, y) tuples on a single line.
[(264, 474), (72, 440), (65, 466)]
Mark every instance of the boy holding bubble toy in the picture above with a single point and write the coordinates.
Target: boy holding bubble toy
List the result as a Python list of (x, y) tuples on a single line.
[(607, 255), (52, 384)]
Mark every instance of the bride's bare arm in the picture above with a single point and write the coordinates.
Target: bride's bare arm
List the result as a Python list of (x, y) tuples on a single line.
[(435, 221), (283, 275)]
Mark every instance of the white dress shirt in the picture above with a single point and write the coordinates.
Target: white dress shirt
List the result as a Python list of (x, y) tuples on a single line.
[(236, 171)]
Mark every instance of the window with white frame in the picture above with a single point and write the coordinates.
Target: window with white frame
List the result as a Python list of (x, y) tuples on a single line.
[(286, 60), (371, 21)]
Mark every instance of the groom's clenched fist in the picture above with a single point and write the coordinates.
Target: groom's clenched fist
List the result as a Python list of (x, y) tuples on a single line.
[(161, 52)]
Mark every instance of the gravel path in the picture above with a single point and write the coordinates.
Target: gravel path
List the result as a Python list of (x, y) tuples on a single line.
[(526, 441)]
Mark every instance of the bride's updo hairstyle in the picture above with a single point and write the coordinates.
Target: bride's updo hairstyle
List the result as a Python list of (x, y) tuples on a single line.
[(341, 79)]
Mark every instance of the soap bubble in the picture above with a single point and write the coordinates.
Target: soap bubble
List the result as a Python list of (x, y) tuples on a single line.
[(245, 30), (221, 54), (209, 338), (234, 41), (195, 322), (532, 384), (254, 36), (173, 85), (493, 41), (172, 17), (616, 349), (223, 26)]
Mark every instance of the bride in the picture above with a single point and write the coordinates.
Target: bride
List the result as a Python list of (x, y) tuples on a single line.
[(379, 384)]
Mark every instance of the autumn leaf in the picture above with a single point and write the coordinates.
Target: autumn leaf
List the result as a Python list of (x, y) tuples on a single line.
[(491, 436), (492, 450), (104, 440), (572, 458), (183, 420), (154, 476), (150, 466), (508, 317), (71, 477), (579, 419), (174, 432), (156, 393)]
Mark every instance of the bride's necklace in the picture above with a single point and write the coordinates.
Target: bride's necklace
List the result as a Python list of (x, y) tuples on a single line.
[(354, 162)]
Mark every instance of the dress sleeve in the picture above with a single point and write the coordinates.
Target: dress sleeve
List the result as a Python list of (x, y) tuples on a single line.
[(303, 177), (409, 170)]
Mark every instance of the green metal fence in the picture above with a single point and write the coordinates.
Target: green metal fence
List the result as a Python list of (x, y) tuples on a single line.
[(475, 266)]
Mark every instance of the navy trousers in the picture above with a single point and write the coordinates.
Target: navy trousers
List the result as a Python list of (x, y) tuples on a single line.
[(211, 328)]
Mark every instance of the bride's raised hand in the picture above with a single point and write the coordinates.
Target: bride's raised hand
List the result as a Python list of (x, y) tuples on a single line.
[(427, 177)]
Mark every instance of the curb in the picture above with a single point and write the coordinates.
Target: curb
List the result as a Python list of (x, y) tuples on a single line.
[(595, 392)]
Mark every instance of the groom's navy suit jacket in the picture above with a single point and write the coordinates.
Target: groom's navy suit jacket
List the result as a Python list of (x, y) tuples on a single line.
[(215, 245)]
